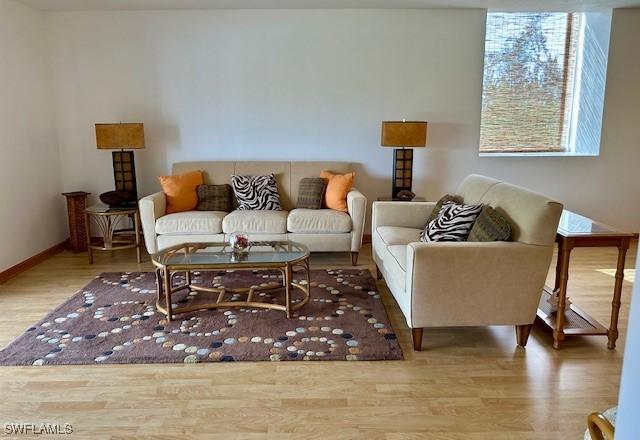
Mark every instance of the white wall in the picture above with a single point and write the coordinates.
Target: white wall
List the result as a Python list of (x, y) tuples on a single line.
[(305, 84), (31, 209)]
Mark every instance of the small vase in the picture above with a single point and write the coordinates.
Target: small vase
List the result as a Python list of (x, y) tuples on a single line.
[(239, 256), (239, 242)]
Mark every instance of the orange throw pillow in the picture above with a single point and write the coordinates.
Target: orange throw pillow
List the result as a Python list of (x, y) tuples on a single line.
[(338, 186), (180, 191)]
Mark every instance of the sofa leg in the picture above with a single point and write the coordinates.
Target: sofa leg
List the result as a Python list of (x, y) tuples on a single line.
[(354, 258), (416, 335), (378, 273), (522, 334)]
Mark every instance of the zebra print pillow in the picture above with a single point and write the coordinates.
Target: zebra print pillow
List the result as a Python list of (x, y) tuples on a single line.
[(256, 192), (453, 223)]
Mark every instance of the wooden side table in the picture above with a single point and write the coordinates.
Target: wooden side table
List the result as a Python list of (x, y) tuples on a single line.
[(76, 204), (113, 237), (575, 231)]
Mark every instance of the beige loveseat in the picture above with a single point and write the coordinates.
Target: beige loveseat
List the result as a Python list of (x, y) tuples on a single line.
[(322, 230), (467, 283)]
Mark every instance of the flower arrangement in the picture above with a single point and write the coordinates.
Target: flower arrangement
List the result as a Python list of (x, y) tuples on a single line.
[(239, 241)]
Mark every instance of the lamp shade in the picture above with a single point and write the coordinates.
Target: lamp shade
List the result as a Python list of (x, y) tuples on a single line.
[(410, 134), (120, 136)]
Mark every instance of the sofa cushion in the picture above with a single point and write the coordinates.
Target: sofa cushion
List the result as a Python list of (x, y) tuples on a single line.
[(264, 222), (395, 274), (191, 222), (399, 252), (392, 235), (318, 221), (533, 217)]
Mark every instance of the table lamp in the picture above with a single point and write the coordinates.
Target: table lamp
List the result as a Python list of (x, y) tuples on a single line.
[(121, 136), (403, 136)]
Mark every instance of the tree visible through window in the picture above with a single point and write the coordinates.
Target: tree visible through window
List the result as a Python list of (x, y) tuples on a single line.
[(529, 78)]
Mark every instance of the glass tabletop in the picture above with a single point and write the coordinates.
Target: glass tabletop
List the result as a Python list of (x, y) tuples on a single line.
[(221, 254), (572, 224)]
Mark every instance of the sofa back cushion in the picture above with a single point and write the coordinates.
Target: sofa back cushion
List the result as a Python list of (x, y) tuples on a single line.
[(288, 174), (474, 187), (214, 173), (533, 217)]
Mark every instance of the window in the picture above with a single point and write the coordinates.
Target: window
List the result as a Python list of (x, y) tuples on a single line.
[(543, 88)]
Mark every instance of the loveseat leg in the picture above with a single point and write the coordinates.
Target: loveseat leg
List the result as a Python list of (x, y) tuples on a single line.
[(522, 334), (354, 258), (416, 335), (378, 273)]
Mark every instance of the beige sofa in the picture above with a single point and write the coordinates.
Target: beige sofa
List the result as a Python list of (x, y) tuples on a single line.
[(467, 283), (322, 230)]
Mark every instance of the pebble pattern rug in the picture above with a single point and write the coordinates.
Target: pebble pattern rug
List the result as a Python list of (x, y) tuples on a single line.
[(113, 320)]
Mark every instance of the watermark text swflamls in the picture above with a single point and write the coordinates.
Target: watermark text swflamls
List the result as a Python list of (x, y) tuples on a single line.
[(38, 428)]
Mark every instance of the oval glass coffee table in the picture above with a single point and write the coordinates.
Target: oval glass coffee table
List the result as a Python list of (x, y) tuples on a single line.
[(202, 257)]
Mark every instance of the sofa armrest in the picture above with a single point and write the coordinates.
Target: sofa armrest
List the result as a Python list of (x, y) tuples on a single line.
[(473, 283), (403, 214), (357, 208), (151, 208)]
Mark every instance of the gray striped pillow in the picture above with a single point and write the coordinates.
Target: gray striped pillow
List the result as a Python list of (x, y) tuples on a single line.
[(490, 226), (310, 192), (215, 198)]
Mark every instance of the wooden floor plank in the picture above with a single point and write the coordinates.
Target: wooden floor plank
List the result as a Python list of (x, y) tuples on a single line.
[(468, 383)]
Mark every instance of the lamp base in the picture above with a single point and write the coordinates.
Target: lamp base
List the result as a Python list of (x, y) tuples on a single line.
[(402, 173), (118, 199), (124, 172)]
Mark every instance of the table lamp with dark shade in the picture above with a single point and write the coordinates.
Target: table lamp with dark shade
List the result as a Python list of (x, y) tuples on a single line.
[(121, 136), (403, 136)]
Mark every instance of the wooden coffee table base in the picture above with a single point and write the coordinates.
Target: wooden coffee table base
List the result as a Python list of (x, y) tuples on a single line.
[(166, 289)]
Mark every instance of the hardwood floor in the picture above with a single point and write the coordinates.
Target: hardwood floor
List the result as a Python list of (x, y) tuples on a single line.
[(470, 383)]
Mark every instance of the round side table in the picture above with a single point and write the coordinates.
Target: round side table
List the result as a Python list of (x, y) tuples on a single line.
[(113, 225)]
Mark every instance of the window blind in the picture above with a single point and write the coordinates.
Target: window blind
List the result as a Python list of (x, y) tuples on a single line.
[(529, 79)]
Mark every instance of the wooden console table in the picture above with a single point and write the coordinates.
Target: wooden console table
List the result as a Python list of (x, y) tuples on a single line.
[(575, 231)]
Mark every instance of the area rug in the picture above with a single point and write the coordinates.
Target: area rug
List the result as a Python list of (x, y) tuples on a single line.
[(113, 320)]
